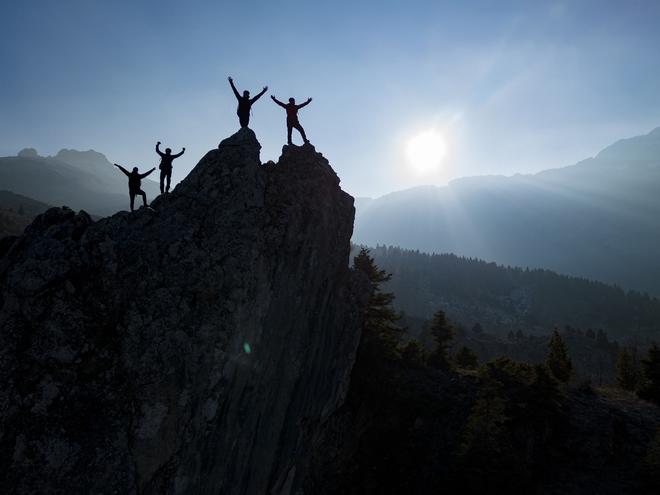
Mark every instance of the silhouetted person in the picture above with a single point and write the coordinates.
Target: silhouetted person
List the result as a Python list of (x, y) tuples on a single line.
[(245, 103), (135, 183), (166, 166), (292, 117)]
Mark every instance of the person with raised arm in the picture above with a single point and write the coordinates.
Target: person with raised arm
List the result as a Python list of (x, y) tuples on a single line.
[(292, 117), (166, 166), (244, 103), (135, 184)]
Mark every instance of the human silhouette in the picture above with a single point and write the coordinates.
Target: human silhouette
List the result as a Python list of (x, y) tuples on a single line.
[(135, 183), (292, 117), (245, 103), (166, 166)]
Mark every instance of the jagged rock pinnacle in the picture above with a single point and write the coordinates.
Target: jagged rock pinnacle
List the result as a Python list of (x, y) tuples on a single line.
[(192, 348)]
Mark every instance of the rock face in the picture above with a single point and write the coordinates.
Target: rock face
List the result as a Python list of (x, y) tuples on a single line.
[(193, 348)]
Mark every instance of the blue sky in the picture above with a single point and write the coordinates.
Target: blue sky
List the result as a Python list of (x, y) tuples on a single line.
[(512, 86)]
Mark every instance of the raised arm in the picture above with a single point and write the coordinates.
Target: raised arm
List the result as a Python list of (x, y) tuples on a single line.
[(158, 149), (142, 176), (122, 169), (278, 101), (309, 100), (231, 83), (259, 95), (183, 150)]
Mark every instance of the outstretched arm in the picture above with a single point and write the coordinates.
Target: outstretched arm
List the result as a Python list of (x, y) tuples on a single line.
[(158, 148), (183, 150), (259, 95), (142, 176), (122, 169), (309, 100), (231, 82), (278, 101)]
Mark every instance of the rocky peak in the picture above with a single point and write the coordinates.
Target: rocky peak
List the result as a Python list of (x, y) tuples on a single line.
[(82, 158), (192, 348), (28, 153)]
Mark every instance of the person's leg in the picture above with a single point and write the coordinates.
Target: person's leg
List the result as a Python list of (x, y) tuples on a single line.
[(162, 180), (289, 127), (244, 119), (301, 131), (132, 195), (144, 197), (169, 178)]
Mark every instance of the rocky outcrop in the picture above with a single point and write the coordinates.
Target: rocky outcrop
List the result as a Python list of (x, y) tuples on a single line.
[(192, 348)]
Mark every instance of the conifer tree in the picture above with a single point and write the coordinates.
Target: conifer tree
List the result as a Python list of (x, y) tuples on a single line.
[(379, 332), (413, 353), (628, 369), (650, 386), (557, 360), (466, 358), (443, 333)]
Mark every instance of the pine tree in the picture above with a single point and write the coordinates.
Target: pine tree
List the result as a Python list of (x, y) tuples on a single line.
[(466, 358), (650, 386), (628, 370), (413, 353), (379, 332), (443, 333), (557, 360)]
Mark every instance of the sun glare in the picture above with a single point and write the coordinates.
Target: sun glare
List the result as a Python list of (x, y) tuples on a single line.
[(425, 151)]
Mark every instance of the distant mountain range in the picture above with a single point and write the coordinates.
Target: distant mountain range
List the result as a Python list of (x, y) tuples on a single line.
[(78, 179), (598, 219)]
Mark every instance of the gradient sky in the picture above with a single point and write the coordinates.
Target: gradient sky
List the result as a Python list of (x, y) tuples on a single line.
[(514, 86)]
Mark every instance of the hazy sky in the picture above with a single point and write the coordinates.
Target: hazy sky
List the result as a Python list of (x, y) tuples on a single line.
[(512, 86)]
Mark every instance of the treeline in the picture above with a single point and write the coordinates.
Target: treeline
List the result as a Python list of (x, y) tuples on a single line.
[(593, 354), (503, 299), (432, 418), (444, 345)]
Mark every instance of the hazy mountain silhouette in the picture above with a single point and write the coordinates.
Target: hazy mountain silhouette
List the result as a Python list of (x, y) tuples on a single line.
[(78, 179), (598, 219), (17, 211)]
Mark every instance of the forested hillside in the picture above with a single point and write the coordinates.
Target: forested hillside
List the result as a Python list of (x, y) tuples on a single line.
[(503, 299)]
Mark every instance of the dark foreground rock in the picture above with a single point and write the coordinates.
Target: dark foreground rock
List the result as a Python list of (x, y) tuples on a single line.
[(192, 348)]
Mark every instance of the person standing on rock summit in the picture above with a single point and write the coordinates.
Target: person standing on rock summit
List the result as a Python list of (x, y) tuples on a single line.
[(292, 117), (244, 103), (165, 166), (135, 184)]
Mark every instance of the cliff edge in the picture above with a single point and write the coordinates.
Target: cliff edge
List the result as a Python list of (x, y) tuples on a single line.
[(192, 348)]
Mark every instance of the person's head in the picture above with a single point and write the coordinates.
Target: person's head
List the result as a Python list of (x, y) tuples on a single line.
[(246, 94), (135, 170), (292, 101), (168, 151)]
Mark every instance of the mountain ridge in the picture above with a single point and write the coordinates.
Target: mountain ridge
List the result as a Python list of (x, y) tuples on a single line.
[(595, 219), (90, 182)]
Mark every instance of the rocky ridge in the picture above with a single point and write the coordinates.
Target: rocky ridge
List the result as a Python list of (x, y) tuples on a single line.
[(192, 348)]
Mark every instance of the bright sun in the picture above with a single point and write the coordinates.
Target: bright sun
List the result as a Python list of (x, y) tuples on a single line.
[(425, 151)]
